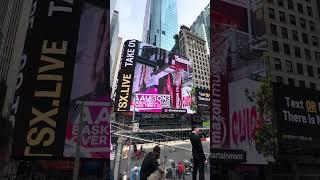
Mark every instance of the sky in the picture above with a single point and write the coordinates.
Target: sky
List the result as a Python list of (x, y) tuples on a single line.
[(131, 15)]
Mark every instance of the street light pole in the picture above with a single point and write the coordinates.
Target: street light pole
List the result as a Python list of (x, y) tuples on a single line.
[(77, 155), (133, 117)]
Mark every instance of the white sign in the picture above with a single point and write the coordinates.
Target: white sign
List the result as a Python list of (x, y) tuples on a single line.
[(135, 127)]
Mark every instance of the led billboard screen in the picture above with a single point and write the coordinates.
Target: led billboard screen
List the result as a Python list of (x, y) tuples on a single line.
[(90, 84), (237, 75), (158, 78), (297, 115)]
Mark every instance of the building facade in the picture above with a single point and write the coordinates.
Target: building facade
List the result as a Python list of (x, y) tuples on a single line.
[(14, 15), (201, 26), (114, 32), (116, 64), (293, 34), (194, 48), (160, 23)]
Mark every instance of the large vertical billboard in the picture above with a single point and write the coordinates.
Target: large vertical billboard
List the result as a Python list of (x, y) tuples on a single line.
[(64, 61), (40, 106), (154, 77), (297, 113), (90, 85), (237, 75)]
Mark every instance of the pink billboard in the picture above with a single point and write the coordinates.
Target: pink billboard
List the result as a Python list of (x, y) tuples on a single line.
[(151, 102), (151, 72), (95, 137)]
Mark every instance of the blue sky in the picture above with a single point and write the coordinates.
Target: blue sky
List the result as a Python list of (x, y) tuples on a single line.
[(131, 15)]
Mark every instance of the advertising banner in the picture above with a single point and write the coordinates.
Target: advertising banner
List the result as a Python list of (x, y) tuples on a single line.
[(202, 99), (90, 85), (40, 106), (158, 78), (298, 115), (237, 75)]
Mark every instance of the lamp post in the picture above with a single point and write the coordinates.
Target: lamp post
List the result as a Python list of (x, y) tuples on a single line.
[(133, 121)]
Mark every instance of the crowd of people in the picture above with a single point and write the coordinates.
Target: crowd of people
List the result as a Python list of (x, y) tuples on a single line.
[(152, 169)]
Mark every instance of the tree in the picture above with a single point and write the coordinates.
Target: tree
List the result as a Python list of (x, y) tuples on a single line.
[(194, 104), (266, 134)]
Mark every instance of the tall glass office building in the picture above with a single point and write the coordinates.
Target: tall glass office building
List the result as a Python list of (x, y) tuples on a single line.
[(160, 23)]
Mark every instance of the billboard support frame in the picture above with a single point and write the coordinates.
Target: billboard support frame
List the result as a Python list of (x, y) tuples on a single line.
[(132, 121), (77, 153)]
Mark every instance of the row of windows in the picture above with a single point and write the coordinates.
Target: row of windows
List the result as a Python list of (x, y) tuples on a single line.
[(298, 7), (291, 82), (196, 52), (199, 77), (297, 51), (292, 19), (299, 67), (204, 70), (202, 83), (294, 35)]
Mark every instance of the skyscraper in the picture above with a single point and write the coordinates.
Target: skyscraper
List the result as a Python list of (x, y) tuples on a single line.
[(14, 16), (160, 23), (201, 26)]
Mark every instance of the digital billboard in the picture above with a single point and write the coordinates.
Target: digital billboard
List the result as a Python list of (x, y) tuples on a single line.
[(154, 77), (237, 75), (90, 85), (40, 105), (297, 116), (202, 99)]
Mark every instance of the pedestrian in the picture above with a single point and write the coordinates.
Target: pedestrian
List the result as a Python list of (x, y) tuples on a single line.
[(5, 142), (198, 154), (124, 177), (180, 170), (150, 164), (174, 170)]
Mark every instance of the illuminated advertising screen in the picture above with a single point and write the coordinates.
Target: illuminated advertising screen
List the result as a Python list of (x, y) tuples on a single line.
[(298, 117), (154, 77), (40, 105), (90, 84), (237, 79)]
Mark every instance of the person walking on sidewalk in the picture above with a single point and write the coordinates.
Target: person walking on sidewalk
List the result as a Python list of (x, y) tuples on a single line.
[(150, 164), (198, 154)]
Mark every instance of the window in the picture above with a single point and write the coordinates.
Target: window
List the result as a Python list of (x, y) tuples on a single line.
[(286, 49), (273, 29), (277, 64), (315, 41), (292, 19), (280, 3), (309, 10), (300, 8), (312, 26), (300, 68), (295, 36), (163, 32), (270, 1), (289, 66), (307, 54), (310, 71), (303, 23), (271, 13), (297, 52), (305, 38), (275, 46), (317, 56), (284, 32), (282, 16), (279, 79), (291, 82), (290, 4), (312, 85), (302, 84)]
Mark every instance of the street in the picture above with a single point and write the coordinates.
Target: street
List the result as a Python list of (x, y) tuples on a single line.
[(171, 153)]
